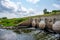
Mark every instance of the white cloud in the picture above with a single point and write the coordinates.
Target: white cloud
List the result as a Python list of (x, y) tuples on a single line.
[(33, 12), (33, 1), (10, 4), (9, 9), (23, 8), (8, 15), (7, 5), (14, 10), (56, 5), (31, 9)]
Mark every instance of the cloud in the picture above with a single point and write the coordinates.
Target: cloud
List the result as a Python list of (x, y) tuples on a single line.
[(33, 1), (7, 5), (8, 15), (8, 9), (56, 5), (11, 9)]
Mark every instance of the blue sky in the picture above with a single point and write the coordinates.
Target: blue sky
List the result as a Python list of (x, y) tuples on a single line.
[(24, 8)]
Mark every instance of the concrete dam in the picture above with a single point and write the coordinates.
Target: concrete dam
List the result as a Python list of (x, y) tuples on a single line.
[(43, 22)]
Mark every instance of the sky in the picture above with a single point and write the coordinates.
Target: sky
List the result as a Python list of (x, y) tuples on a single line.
[(25, 8)]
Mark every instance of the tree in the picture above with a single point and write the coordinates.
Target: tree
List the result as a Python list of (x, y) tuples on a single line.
[(45, 11), (55, 12), (4, 18)]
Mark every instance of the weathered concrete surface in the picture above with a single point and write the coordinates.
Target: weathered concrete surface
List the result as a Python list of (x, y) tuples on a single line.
[(25, 23), (47, 23), (29, 22)]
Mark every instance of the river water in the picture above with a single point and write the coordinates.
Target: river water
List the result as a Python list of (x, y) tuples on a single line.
[(10, 35)]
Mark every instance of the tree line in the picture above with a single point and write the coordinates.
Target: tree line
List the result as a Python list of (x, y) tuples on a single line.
[(53, 11)]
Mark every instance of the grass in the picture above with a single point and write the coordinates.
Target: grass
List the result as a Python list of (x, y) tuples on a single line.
[(11, 22)]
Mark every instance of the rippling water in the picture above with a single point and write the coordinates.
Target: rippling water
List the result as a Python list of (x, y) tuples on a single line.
[(10, 35)]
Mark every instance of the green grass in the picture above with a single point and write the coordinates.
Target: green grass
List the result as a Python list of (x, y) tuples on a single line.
[(11, 22)]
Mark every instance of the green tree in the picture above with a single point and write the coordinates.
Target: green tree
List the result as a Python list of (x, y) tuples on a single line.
[(45, 11), (4, 18)]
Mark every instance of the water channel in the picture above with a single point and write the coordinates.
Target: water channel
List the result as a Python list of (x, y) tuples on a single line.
[(33, 35)]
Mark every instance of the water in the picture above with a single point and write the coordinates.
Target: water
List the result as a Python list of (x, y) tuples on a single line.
[(10, 35), (33, 35)]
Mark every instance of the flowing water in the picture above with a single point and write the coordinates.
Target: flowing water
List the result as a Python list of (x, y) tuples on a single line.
[(10, 35), (33, 35)]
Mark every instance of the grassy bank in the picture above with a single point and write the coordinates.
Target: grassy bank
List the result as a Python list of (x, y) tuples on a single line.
[(11, 22)]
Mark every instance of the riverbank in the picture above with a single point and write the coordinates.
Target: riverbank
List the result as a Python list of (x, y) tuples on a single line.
[(11, 22)]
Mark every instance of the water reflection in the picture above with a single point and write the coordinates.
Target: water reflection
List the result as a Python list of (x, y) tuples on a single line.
[(7, 35), (10, 35)]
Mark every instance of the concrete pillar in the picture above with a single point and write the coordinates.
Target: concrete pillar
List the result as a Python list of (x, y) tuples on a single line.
[(54, 20)]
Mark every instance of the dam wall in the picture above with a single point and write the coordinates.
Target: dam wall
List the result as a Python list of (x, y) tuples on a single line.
[(28, 23)]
